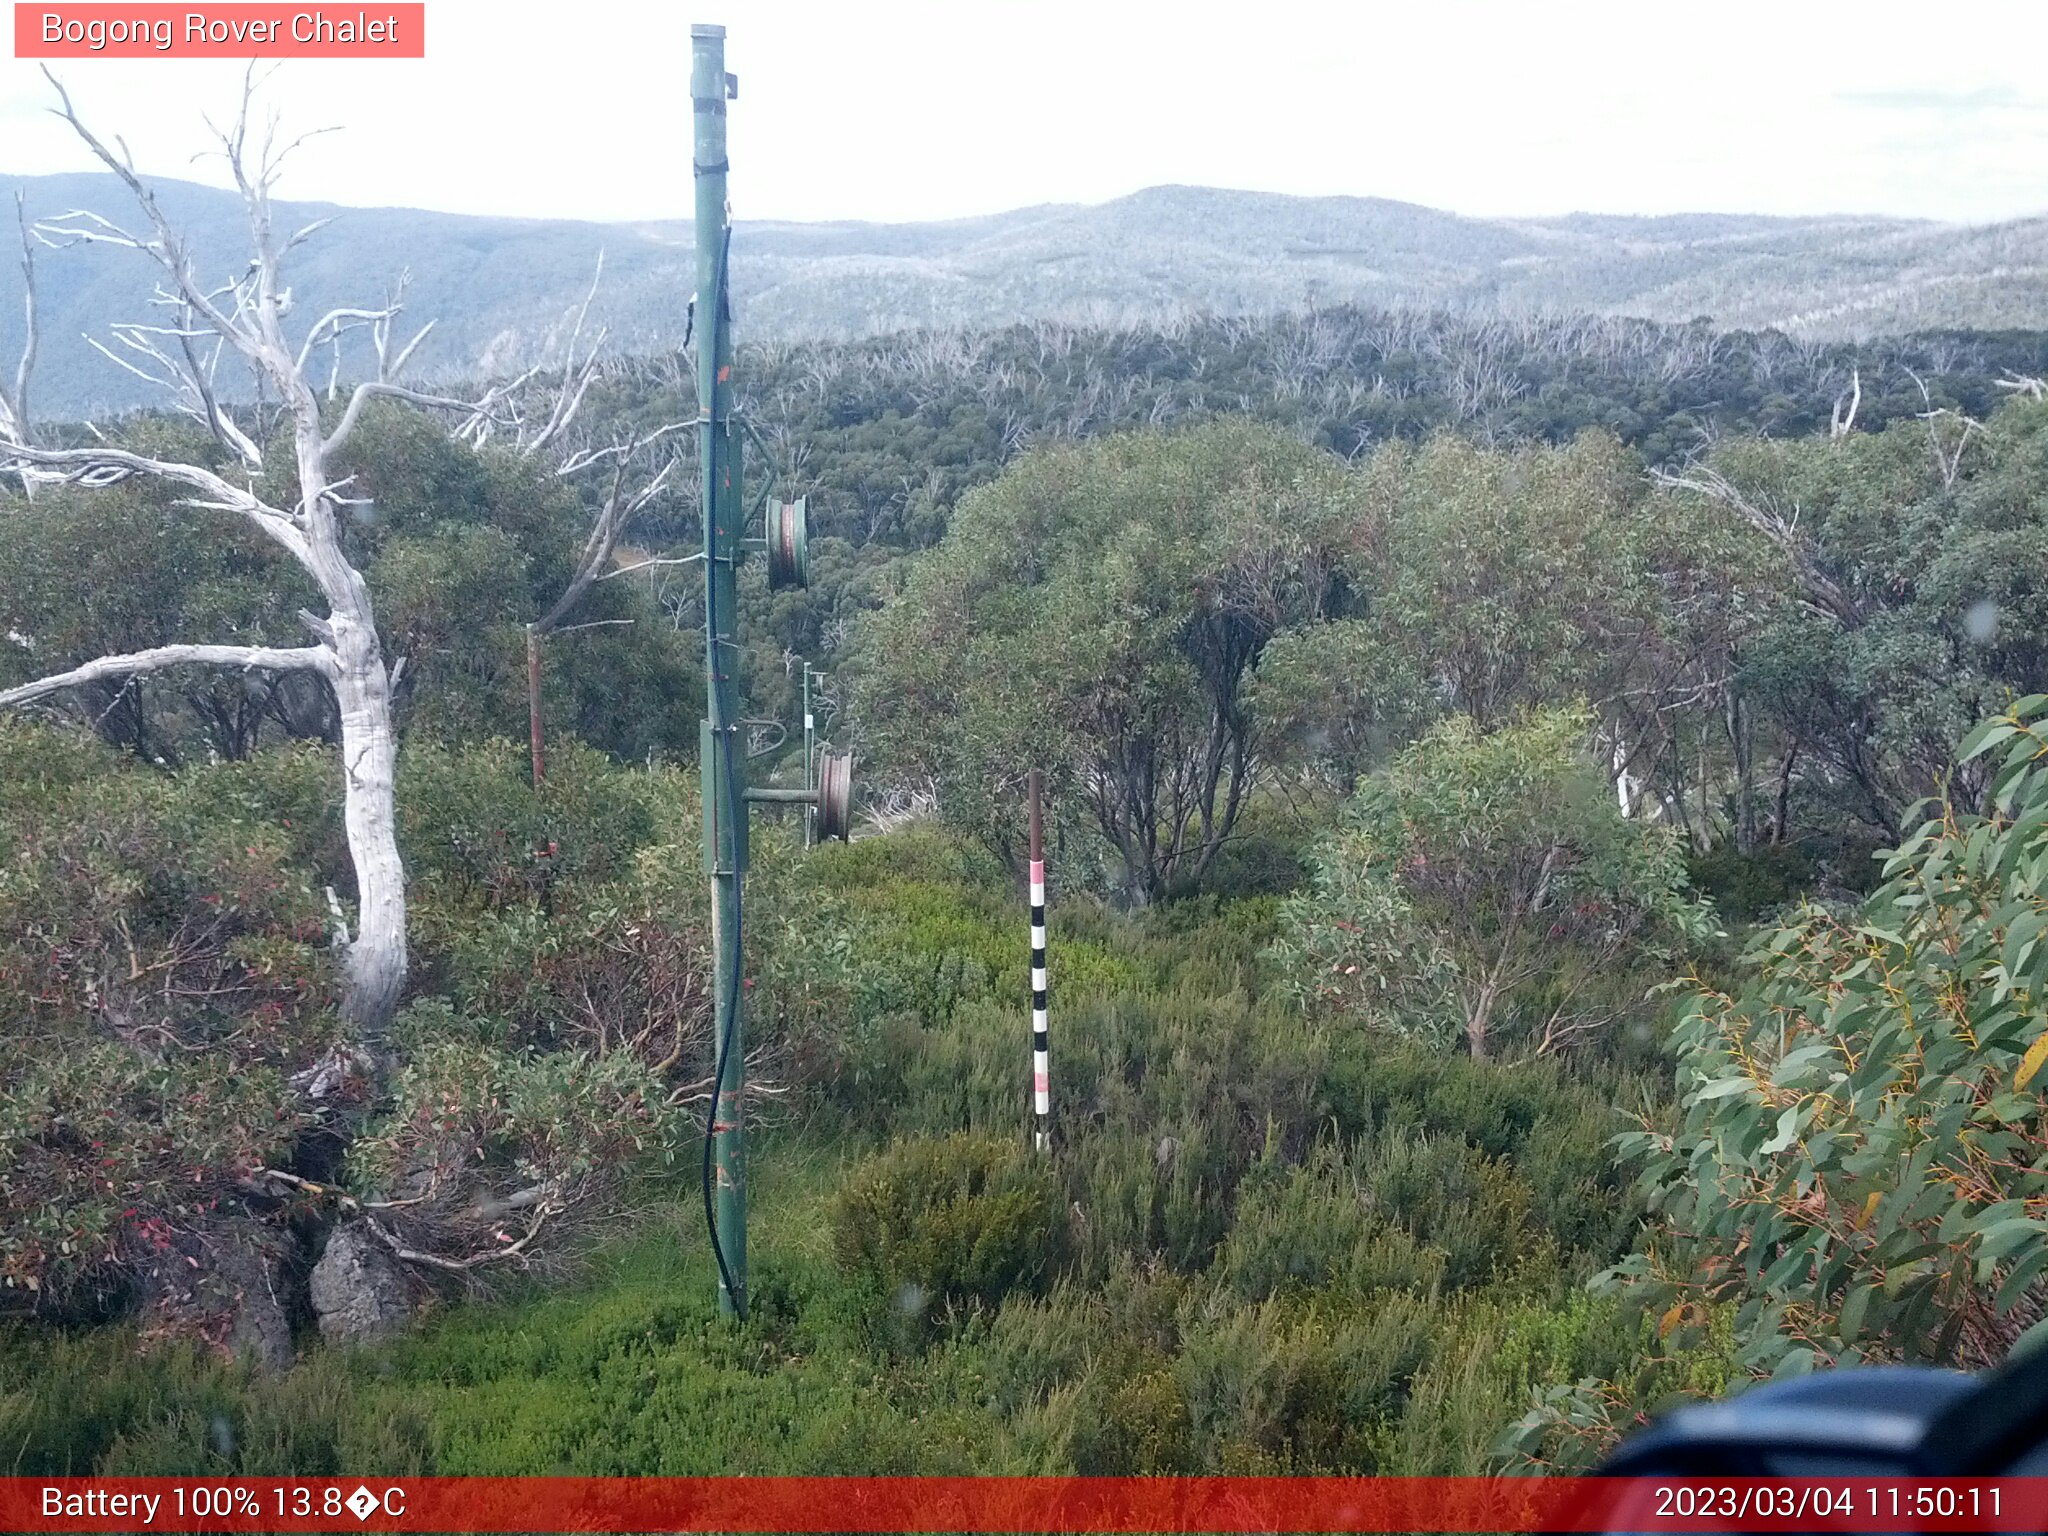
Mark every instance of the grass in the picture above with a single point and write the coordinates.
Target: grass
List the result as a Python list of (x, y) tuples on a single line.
[(627, 1370)]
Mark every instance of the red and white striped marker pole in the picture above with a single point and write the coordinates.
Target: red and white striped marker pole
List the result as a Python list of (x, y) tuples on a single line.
[(1041, 1066)]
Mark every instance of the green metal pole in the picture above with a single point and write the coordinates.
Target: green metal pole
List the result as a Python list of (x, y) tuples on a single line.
[(725, 823)]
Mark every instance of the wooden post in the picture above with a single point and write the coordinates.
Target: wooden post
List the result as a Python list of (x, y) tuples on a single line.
[(533, 700)]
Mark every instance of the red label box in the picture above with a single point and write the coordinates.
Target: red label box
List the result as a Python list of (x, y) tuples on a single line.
[(235, 31)]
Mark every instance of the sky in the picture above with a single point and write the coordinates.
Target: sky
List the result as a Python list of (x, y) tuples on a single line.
[(899, 109)]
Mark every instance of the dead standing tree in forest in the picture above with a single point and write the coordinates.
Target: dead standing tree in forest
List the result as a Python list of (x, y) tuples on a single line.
[(14, 419), (623, 501), (627, 494), (244, 317), (545, 436)]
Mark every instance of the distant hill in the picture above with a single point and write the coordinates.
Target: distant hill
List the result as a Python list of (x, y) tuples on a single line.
[(500, 287)]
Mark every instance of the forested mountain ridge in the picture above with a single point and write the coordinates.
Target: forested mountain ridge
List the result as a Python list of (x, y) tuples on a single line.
[(495, 284)]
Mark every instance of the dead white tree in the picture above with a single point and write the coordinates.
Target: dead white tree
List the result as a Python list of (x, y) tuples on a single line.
[(1948, 433), (544, 434), (14, 418), (244, 317), (624, 500), (1842, 419)]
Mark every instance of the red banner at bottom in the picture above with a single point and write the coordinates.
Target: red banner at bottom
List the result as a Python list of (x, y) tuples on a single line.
[(1006, 1504)]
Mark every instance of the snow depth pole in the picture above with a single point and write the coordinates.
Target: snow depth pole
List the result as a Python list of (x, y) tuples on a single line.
[(725, 815), (1041, 1065)]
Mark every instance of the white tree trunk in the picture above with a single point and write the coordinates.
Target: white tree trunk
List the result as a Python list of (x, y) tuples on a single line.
[(376, 964), (1624, 781)]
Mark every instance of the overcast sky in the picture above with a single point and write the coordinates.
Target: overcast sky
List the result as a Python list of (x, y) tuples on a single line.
[(892, 109)]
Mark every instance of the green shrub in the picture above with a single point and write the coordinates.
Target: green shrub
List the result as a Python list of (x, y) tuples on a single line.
[(1319, 1226), (1265, 855), (1745, 887), (1297, 1386), (1549, 1125), (165, 967), (162, 970), (1485, 885), (960, 1219), (74, 1403), (486, 1147), (477, 835), (1446, 1193)]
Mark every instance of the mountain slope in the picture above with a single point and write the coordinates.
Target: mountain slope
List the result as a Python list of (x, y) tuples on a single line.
[(500, 288)]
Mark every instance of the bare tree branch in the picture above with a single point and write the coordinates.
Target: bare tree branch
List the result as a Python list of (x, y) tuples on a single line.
[(99, 466), (169, 249), (334, 324), (376, 389), (622, 448), (650, 563), (1820, 590), (622, 503), (576, 376), (313, 658), (620, 508)]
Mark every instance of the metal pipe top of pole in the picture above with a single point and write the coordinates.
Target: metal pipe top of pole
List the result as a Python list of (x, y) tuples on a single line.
[(711, 87)]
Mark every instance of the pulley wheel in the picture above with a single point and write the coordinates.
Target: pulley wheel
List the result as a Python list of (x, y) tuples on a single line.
[(789, 545), (835, 795)]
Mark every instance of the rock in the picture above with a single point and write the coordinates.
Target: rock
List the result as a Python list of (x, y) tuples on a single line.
[(340, 1074), (358, 1289), (261, 1333), (226, 1287)]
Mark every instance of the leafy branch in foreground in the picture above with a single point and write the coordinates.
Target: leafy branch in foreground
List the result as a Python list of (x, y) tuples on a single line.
[(1860, 1171)]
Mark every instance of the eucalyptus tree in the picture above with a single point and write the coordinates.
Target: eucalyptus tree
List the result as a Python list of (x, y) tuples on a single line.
[(1852, 1171), (1488, 582), (1486, 885), (1095, 612), (1894, 597)]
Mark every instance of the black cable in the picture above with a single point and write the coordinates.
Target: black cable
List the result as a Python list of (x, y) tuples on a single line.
[(711, 1119), (718, 315)]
